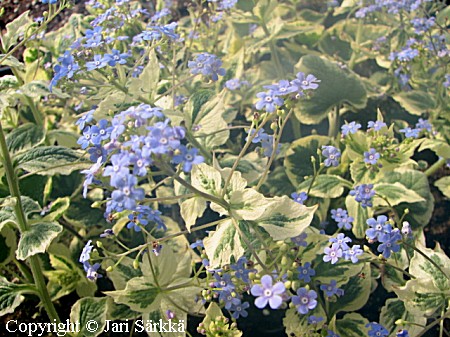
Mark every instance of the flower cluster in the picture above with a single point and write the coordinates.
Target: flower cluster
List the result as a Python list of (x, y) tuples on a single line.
[(363, 194), (266, 140), (277, 93), (342, 218), (381, 230), (207, 65), (339, 248)]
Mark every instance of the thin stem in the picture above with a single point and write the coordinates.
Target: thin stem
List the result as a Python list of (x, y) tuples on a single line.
[(243, 151), (428, 327), (334, 122), (274, 152), (36, 270)]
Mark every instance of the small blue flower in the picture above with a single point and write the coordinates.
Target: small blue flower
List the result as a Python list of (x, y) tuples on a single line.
[(188, 157), (207, 65), (299, 197), (86, 253), (389, 243), (305, 82), (342, 218), (341, 240), (98, 63), (352, 253), (331, 333), (268, 101), (91, 271), (268, 293), (377, 125), (86, 118), (332, 253), (313, 320), (197, 244), (377, 330), (116, 58), (424, 124), (51, 2), (363, 194), (352, 127), (305, 272), (332, 289), (305, 300), (107, 233), (299, 240), (410, 133), (241, 271), (331, 154), (233, 84), (239, 310), (379, 228), (371, 157), (402, 333), (282, 88)]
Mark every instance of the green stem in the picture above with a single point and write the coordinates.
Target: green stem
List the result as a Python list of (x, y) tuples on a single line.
[(36, 270), (428, 327), (436, 166), (274, 151), (273, 49), (334, 122)]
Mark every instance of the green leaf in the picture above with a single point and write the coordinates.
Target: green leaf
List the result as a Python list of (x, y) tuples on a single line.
[(8, 245), (393, 310), (419, 212), (356, 293), (247, 204), (88, 310), (338, 86), (147, 81), (24, 138), (10, 296), (298, 157), (325, 186), (40, 88), (140, 295), (208, 120), (223, 244), (444, 185), (341, 272), (207, 179), (359, 214), (395, 193), (15, 29), (191, 209), (250, 166), (37, 239), (352, 325), (416, 102), (11, 61), (51, 160), (438, 146), (120, 312), (283, 218), (57, 209), (123, 272)]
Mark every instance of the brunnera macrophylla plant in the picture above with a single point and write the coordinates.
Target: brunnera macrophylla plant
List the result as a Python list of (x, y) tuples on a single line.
[(198, 194)]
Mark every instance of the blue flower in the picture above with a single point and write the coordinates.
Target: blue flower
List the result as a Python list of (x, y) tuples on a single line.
[(402, 333), (282, 88), (305, 300), (377, 125), (363, 194), (197, 244), (353, 252), (239, 310), (107, 233), (299, 240), (299, 197), (342, 218), (371, 157), (224, 282), (268, 293), (188, 158), (86, 118), (116, 57), (233, 84), (389, 243), (91, 271), (268, 101), (332, 253), (126, 192), (406, 229), (241, 271), (97, 152), (51, 2), (352, 127), (305, 82), (227, 4), (331, 154), (86, 253), (332, 289), (379, 228), (331, 333), (410, 133), (305, 272), (313, 320), (341, 240), (377, 330), (424, 125), (207, 65), (98, 62)]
